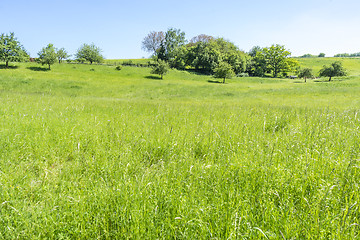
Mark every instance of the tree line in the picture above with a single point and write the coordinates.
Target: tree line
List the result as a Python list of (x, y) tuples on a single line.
[(212, 55), (11, 50), (170, 49)]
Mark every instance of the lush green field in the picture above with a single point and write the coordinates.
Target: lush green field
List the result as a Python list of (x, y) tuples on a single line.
[(90, 152), (351, 64)]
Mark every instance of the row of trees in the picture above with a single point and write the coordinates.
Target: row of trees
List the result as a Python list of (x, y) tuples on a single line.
[(50, 55), (12, 51), (206, 53), (348, 55)]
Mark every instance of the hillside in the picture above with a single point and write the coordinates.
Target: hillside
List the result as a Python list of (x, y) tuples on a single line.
[(89, 152)]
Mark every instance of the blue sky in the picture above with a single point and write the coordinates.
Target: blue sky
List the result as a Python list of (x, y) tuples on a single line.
[(118, 27)]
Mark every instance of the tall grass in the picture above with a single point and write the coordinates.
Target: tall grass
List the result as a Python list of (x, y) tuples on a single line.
[(182, 158)]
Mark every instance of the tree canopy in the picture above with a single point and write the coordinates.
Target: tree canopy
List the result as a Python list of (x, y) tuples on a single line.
[(160, 67), (11, 50), (223, 70), (90, 53), (305, 73), (276, 59), (62, 54), (334, 70), (47, 55)]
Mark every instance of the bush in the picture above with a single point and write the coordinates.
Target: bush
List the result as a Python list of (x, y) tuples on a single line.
[(118, 67), (242, 75), (128, 62)]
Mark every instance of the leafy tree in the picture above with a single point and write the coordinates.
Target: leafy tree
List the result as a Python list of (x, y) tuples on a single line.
[(305, 73), (174, 39), (254, 50), (334, 70), (11, 50), (308, 55), (90, 53), (257, 65), (153, 41), (62, 54), (321, 55), (223, 70), (275, 57), (160, 67), (47, 55), (204, 56), (207, 55)]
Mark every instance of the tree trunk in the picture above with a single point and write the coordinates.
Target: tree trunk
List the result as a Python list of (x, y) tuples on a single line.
[(224, 80), (305, 79), (330, 79), (49, 67), (161, 76), (59, 60), (7, 64)]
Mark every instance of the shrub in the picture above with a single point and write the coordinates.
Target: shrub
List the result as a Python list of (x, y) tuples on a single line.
[(118, 67), (127, 62), (242, 75)]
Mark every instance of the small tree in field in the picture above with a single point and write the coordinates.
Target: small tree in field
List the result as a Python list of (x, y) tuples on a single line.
[(62, 54), (305, 73), (90, 53), (47, 55), (11, 50), (223, 70), (334, 70), (160, 67)]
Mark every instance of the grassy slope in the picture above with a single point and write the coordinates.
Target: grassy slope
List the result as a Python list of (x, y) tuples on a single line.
[(106, 154)]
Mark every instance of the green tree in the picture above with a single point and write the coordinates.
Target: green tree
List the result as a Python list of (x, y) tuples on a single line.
[(254, 50), (90, 53), (305, 73), (62, 54), (11, 50), (160, 67), (223, 70), (174, 39), (257, 65), (321, 55), (47, 55), (275, 57), (334, 70)]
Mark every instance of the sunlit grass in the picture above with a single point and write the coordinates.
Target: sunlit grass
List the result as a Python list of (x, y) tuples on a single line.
[(112, 154)]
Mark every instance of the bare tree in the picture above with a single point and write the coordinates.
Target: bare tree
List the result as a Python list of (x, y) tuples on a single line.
[(153, 41), (201, 38)]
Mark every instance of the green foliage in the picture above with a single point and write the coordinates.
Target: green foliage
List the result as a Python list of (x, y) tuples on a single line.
[(119, 67), (334, 70), (276, 59), (347, 55), (174, 39), (253, 51), (305, 73), (90, 53), (47, 55), (308, 55), (257, 65), (223, 70), (321, 55), (160, 67), (242, 75), (62, 54), (11, 50)]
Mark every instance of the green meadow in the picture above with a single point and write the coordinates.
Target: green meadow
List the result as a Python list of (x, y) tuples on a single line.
[(89, 152)]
